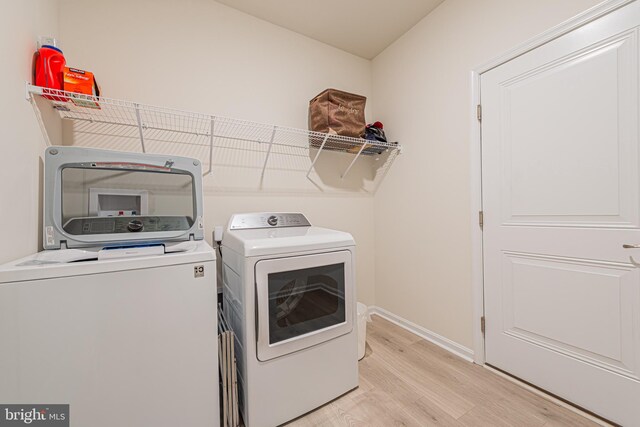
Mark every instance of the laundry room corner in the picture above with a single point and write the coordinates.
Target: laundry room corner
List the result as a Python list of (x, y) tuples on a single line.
[(259, 213), (426, 280), (22, 140), (220, 61)]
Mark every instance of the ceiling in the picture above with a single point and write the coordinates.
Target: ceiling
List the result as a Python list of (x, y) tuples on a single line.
[(362, 27)]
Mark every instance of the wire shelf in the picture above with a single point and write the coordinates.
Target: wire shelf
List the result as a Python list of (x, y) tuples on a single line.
[(130, 126)]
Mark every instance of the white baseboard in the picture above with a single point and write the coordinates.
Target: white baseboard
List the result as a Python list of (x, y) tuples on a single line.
[(439, 340)]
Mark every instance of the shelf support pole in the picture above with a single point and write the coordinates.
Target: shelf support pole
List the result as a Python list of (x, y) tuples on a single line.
[(211, 136), (315, 159), (364, 144), (140, 128), (266, 159)]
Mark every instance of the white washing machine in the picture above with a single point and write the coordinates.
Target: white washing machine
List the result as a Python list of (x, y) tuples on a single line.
[(289, 295), (118, 317), (123, 342)]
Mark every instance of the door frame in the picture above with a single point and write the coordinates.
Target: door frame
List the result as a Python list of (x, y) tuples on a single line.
[(477, 259)]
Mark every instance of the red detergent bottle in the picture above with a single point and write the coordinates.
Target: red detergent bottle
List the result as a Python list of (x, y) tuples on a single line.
[(48, 70)]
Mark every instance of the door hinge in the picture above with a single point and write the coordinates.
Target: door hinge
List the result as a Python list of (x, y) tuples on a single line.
[(482, 325), (481, 219), (479, 112)]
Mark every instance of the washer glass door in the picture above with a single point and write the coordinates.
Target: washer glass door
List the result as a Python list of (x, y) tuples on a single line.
[(303, 301)]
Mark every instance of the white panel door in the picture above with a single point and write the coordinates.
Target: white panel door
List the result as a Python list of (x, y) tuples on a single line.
[(560, 162)]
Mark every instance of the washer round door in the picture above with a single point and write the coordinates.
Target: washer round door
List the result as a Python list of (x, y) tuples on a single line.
[(303, 301)]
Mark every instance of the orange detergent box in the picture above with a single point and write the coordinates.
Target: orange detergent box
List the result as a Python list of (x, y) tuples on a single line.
[(82, 82)]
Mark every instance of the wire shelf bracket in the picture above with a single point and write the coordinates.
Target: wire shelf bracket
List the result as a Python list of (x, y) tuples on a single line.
[(353, 161), (266, 159), (144, 150), (211, 136), (315, 159)]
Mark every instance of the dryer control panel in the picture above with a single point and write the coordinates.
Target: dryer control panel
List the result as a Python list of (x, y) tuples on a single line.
[(267, 220)]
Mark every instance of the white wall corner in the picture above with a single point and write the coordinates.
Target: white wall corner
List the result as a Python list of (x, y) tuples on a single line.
[(439, 340)]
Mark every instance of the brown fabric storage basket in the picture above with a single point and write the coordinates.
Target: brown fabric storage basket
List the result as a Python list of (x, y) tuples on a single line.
[(336, 112)]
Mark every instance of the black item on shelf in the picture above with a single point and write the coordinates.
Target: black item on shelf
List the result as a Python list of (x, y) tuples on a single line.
[(375, 132)]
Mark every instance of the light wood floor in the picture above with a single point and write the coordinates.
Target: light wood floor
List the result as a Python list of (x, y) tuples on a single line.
[(407, 381)]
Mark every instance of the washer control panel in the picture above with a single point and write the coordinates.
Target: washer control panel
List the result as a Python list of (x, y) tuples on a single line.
[(126, 224), (267, 220)]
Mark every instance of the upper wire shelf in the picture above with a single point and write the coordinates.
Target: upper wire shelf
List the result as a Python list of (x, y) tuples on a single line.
[(170, 131)]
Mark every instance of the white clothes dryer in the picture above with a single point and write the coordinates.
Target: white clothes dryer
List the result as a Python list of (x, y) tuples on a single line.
[(289, 295)]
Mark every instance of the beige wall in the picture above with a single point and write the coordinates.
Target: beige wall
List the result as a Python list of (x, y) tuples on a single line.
[(200, 55), (422, 93), (22, 143)]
